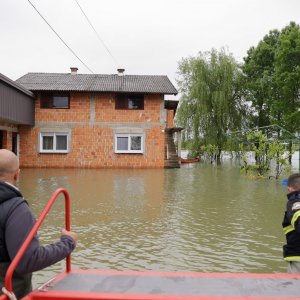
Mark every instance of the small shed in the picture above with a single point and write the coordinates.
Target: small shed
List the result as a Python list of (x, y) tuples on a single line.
[(16, 108)]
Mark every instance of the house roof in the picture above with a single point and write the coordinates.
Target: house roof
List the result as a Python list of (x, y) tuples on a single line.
[(154, 84)]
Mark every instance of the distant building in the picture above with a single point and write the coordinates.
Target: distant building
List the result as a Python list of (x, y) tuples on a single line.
[(76, 120)]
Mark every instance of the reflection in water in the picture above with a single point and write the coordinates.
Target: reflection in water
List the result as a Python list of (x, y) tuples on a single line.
[(197, 218)]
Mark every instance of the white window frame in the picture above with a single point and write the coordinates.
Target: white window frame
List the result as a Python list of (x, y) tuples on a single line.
[(54, 135), (129, 135)]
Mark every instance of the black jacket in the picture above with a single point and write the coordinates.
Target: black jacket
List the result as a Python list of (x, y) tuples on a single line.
[(291, 227), (16, 221), (10, 198)]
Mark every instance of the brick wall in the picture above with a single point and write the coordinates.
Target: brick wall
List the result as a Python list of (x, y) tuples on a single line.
[(170, 118), (79, 110), (106, 112), (93, 120)]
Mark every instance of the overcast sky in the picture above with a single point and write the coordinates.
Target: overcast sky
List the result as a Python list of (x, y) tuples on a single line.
[(144, 37)]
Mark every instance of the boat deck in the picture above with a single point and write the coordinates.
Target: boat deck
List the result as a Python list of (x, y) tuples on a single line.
[(113, 285)]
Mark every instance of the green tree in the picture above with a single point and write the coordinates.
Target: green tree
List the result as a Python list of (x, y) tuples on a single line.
[(266, 150), (259, 70), (272, 71), (286, 106), (287, 77), (211, 104)]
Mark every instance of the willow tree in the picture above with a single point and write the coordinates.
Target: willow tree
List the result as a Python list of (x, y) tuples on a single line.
[(211, 104)]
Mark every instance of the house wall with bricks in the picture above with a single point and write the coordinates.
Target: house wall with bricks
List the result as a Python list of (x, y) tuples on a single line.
[(92, 122), (170, 118)]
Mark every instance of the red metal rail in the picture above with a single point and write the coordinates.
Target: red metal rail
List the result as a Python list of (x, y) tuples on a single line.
[(23, 248)]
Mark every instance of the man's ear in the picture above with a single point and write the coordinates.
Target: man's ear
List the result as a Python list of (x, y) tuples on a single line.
[(290, 189), (16, 175)]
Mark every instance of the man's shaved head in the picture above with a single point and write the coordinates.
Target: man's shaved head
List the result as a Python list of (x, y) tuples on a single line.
[(9, 163)]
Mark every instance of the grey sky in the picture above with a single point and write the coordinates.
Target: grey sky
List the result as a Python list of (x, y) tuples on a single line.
[(145, 37)]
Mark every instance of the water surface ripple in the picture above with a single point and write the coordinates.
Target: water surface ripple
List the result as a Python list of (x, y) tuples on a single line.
[(198, 218)]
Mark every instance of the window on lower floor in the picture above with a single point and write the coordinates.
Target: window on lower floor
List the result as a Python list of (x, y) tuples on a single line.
[(129, 143), (51, 142)]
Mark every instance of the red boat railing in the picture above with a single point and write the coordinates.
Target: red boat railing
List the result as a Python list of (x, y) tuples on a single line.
[(23, 248)]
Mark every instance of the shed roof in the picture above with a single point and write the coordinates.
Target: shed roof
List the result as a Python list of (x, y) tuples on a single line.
[(97, 83), (15, 85)]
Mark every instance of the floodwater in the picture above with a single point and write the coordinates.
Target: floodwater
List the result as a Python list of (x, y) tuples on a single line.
[(199, 218)]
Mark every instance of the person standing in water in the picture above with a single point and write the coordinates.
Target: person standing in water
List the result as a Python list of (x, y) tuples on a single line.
[(291, 224)]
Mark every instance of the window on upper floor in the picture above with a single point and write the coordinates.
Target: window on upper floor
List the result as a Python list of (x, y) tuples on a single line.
[(55, 100), (129, 143), (54, 142), (129, 101)]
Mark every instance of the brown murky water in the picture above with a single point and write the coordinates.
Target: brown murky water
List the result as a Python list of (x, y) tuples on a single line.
[(198, 218)]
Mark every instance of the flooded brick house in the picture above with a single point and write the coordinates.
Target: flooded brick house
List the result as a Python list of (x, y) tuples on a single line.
[(98, 121)]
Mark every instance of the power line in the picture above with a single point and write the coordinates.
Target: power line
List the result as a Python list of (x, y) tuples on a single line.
[(97, 34), (60, 37)]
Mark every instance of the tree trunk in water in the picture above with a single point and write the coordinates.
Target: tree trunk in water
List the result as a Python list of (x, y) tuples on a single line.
[(290, 152), (257, 159), (277, 167), (219, 157)]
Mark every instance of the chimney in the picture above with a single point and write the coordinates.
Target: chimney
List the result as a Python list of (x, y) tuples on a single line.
[(121, 72), (74, 70)]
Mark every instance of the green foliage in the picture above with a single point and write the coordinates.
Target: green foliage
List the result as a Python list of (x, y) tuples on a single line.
[(260, 145), (287, 77), (266, 151), (211, 103), (210, 152), (219, 97), (259, 70), (272, 72)]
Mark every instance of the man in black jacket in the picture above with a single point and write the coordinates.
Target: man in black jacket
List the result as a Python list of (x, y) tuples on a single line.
[(291, 224), (16, 221)]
